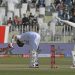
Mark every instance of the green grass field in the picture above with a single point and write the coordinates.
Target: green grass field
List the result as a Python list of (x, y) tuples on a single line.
[(20, 66)]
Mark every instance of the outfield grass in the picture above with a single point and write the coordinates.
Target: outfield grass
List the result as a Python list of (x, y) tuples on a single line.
[(42, 61), (20, 66), (38, 72)]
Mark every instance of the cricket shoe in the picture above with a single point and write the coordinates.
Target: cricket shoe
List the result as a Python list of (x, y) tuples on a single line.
[(34, 66), (73, 66)]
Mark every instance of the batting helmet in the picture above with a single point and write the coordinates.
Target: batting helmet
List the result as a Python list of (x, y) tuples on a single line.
[(19, 43)]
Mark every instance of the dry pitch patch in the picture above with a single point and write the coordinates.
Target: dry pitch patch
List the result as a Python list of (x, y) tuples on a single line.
[(26, 67)]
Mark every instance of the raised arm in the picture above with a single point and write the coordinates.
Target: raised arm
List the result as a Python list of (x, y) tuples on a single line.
[(67, 22)]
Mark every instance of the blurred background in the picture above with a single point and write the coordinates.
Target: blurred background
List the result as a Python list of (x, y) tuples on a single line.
[(20, 16)]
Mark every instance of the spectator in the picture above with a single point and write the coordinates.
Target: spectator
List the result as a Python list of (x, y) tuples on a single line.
[(25, 22), (73, 7), (60, 9), (66, 13), (34, 2), (29, 5), (16, 22), (19, 23), (10, 23), (35, 24), (31, 17), (41, 3), (56, 2)]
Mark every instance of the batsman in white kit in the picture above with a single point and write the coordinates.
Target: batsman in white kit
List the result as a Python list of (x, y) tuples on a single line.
[(33, 40), (73, 25)]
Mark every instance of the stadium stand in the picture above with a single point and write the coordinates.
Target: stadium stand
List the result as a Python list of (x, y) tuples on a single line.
[(47, 6)]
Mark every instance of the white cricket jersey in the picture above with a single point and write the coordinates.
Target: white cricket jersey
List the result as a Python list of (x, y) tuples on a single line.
[(32, 37)]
